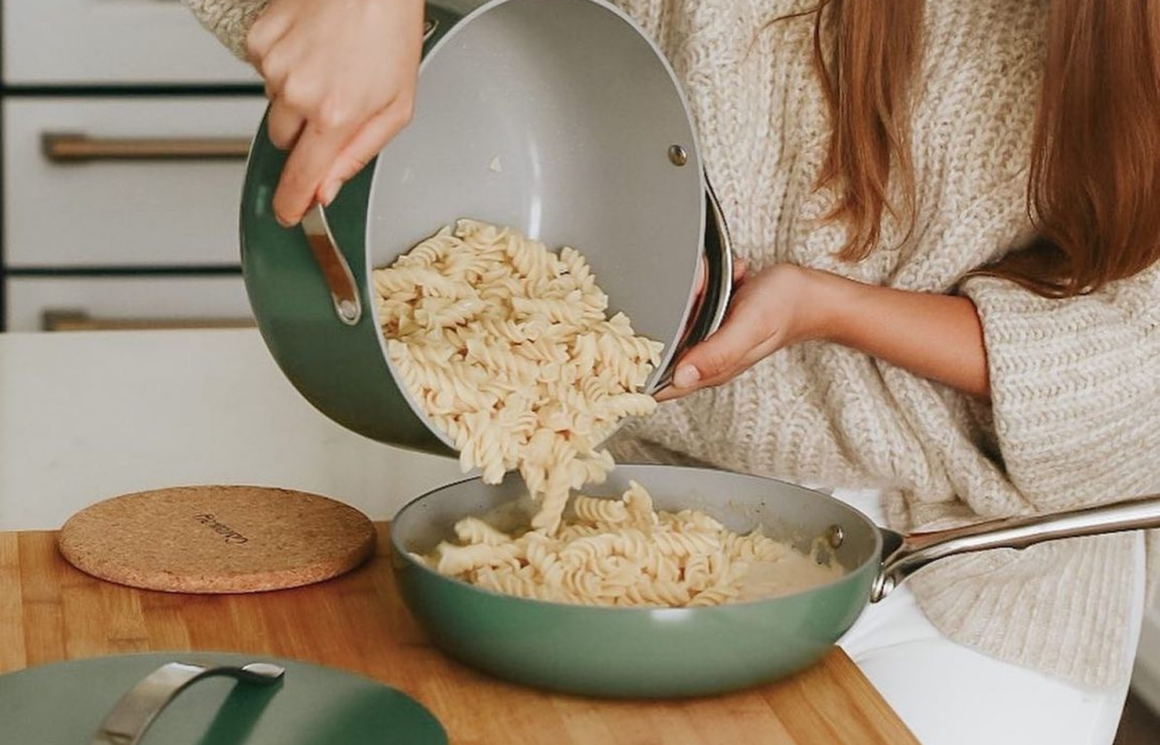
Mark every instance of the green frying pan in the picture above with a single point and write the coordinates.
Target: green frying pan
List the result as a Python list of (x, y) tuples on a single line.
[(556, 117), (669, 652)]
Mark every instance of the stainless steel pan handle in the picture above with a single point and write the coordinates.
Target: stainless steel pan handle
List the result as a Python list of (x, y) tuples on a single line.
[(333, 265), (905, 555), (127, 723)]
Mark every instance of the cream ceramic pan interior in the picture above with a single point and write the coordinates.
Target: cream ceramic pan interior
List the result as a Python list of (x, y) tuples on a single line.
[(555, 117)]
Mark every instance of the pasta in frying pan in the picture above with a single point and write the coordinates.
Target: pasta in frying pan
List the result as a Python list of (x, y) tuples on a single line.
[(621, 552)]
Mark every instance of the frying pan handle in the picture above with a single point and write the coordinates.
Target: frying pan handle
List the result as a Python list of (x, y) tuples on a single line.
[(913, 552), (130, 718), (331, 262)]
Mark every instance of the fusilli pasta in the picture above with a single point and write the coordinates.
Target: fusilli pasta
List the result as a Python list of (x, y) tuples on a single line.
[(623, 553), (507, 347)]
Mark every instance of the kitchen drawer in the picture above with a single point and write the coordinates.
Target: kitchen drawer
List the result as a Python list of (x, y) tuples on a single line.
[(125, 302), (117, 42), (122, 209)]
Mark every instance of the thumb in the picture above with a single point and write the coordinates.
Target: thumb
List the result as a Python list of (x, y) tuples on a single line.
[(721, 356)]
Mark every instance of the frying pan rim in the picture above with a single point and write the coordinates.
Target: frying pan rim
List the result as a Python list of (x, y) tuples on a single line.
[(873, 561)]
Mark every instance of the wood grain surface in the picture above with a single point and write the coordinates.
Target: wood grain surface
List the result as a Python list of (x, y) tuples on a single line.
[(50, 611)]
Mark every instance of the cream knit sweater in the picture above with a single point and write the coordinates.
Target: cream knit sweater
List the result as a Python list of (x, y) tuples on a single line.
[(1075, 417)]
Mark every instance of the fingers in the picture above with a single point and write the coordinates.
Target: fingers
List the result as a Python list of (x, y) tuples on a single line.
[(741, 342), (740, 267), (270, 26), (702, 276), (695, 376), (274, 52), (363, 147), (284, 125), (302, 175), (718, 354), (747, 360), (326, 154), (340, 77)]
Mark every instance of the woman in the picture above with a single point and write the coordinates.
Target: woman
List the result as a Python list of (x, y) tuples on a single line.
[(951, 215)]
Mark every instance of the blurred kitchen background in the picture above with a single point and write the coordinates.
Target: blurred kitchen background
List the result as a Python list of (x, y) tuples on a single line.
[(123, 139), (125, 130)]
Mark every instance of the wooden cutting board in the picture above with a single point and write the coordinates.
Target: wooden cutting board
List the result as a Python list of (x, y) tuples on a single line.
[(50, 611)]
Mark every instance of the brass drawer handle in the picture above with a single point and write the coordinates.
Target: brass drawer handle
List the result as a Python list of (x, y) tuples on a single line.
[(60, 319), (73, 147), (130, 718)]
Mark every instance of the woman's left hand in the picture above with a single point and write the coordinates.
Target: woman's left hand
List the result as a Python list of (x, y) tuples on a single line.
[(934, 336), (778, 306)]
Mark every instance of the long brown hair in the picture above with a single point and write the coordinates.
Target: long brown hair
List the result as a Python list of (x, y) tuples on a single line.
[(1094, 187)]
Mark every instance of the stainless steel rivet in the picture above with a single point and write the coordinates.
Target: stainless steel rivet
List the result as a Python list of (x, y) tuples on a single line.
[(678, 156), (835, 535)]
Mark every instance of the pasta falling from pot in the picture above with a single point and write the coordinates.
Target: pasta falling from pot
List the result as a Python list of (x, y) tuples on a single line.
[(508, 348)]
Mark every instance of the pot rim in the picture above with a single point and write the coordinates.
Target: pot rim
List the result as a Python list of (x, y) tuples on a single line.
[(709, 311), (673, 347)]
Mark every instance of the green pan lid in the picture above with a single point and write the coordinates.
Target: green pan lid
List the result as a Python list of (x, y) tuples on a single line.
[(68, 702)]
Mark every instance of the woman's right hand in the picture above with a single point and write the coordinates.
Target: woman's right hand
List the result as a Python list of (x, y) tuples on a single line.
[(340, 76)]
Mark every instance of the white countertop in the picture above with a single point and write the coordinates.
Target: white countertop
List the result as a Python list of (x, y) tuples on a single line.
[(85, 416)]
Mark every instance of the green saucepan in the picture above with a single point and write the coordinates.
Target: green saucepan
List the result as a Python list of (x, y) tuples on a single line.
[(556, 117), (671, 652)]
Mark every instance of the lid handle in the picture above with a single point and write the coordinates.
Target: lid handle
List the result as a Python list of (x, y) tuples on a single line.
[(134, 713)]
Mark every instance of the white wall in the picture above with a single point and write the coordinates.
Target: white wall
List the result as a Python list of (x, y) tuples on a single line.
[(85, 416)]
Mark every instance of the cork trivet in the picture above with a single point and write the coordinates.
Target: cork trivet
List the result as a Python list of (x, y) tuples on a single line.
[(217, 539)]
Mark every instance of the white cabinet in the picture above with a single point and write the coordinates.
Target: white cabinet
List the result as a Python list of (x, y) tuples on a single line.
[(112, 42), (124, 129), (97, 302), (171, 209)]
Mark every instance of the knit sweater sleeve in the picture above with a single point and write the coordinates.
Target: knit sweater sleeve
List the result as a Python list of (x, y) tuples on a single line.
[(1075, 386), (228, 20)]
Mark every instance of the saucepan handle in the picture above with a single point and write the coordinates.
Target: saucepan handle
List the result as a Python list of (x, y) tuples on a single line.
[(130, 718), (919, 549), (333, 265), (331, 261)]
